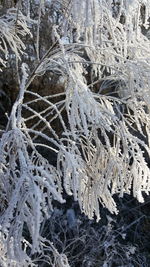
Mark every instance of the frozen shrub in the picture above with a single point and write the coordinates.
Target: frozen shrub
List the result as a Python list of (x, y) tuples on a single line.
[(100, 141)]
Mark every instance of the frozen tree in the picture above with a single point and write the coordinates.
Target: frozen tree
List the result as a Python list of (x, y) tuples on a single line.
[(98, 126)]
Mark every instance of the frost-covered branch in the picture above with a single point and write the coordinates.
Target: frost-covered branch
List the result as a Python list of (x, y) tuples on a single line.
[(97, 126)]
